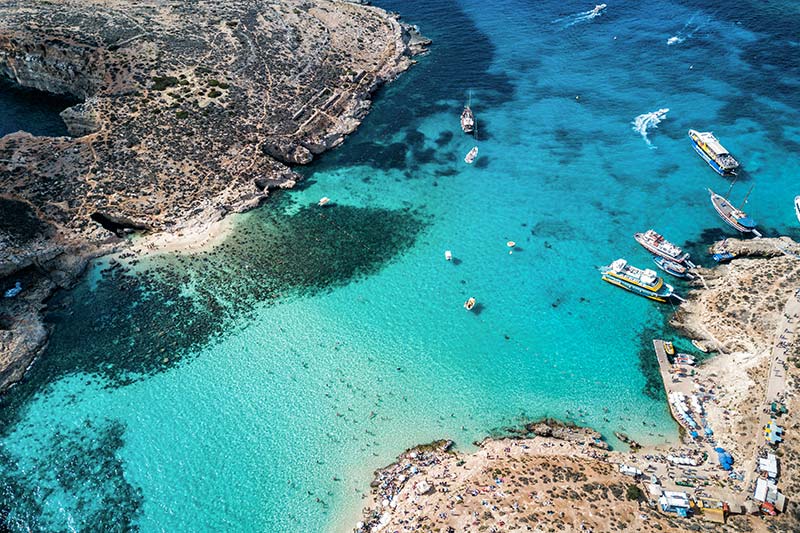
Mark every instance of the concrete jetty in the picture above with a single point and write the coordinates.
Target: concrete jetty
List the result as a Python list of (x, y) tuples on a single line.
[(665, 368)]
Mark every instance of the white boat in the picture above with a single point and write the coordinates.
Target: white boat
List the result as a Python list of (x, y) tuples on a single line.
[(322, 201), (471, 155), (699, 345), (598, 9), (656, 244), (469, 304), (642, 282), (468, 117), (797, 207), (448, 255)]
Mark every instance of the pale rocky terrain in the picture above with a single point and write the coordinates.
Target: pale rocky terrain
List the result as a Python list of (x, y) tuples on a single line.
[(188, 111), (744, 298), (535, 483), (543, 480)]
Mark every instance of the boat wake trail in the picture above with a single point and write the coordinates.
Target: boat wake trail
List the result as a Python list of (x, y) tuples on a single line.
[(578, 18), (643, 123), (688, 30)]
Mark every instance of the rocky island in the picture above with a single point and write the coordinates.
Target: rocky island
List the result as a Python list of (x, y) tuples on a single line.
[(187, 111), (548, 477)]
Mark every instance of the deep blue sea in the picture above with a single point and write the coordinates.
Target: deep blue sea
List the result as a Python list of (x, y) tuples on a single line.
[(256, 386), (31, 111)]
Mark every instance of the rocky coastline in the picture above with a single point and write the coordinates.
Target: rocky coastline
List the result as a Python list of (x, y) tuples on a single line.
[(549, 477), (188, 112)]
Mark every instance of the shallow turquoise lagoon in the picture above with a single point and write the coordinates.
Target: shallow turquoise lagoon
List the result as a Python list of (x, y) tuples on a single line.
[(255, 388)]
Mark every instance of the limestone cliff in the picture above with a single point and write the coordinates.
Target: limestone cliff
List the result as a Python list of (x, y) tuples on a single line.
[(189, 110), (741, 301)]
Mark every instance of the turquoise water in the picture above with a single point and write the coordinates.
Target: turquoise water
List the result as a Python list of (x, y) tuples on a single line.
[(256, 387)]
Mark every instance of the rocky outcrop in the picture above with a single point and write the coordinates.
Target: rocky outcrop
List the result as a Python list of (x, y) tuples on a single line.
[(735, 305), (536, 483), (189, 110)]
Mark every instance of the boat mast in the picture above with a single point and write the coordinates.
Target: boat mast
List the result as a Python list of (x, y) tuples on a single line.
[(746, 196), (728, 195)]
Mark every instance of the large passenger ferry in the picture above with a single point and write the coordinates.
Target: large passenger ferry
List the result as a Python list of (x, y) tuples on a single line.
[(710, 149), (642, 282)]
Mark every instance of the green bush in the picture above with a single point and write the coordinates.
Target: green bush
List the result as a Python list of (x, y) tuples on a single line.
[(163, 82), (181, 113), (633, 492), (213, 93)]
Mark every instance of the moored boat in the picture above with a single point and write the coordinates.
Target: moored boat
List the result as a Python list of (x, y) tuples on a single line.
[(735, 218), (656, 244), (469, 304), (672, 268), (471, 155), (797, 207), (448, 255), (669, 348), (642, 282), (684, 359), (699, 345), (723, 257), (468, 117), (713, 153)]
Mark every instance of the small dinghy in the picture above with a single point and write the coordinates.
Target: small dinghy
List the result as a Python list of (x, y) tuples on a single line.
[(672, 268), (699, 345), (323, 201), (797, 207), (471, 155), (723, 257), (469, 304), (669, 348), (448, 255)]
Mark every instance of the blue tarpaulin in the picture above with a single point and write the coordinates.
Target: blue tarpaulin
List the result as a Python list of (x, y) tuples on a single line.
[(725, 459)]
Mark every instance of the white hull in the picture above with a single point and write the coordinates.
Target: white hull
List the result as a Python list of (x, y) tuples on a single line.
[(797, 207)]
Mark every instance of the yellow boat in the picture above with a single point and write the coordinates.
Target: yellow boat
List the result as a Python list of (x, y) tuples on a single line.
[(642, 282)]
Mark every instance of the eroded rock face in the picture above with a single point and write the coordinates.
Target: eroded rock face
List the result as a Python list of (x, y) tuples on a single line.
[(737, 305), (190, 109)]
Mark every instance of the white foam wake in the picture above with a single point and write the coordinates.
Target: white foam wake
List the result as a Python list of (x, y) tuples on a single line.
[(583, 16), (643, 123), (688, 30)]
